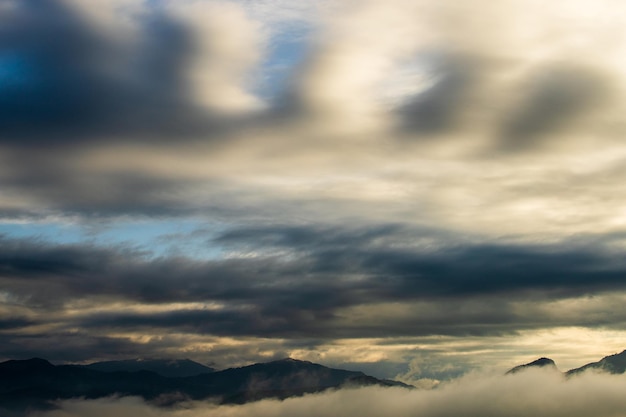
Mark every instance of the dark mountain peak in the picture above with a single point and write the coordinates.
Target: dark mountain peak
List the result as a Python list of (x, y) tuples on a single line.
[(541, 362), (281, 378), (163, 367), (26, 365), (288, 366), (613, 364), (291, 361), (285, 363), (537, 363)]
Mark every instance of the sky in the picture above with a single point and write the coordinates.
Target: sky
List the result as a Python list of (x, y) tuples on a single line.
[(412, 188)]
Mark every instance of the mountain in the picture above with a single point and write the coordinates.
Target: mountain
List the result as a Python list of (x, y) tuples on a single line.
[(613, 364), (280, 379), (35, 384), (163, 367), (538, 363)]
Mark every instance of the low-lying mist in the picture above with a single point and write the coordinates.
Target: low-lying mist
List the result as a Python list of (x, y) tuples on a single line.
[(532, 393)]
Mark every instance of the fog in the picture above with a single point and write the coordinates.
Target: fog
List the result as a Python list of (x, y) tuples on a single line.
[(534, 392)]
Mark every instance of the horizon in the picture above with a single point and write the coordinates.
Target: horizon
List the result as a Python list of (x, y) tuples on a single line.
[(415, 189), (156, 359)]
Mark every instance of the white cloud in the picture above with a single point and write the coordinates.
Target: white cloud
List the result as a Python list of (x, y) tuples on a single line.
[(229, 45)]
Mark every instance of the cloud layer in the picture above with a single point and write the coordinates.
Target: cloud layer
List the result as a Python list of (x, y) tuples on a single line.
[(514, 109), (529, 394), (301, 287), (387, 178)]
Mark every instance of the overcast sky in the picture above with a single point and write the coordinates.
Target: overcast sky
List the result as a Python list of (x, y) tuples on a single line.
[(412, 188)]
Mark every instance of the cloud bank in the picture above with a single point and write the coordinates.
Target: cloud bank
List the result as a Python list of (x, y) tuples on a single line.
[(529, 394)]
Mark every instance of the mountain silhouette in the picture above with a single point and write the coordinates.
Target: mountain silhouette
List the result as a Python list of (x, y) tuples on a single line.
[(613, 364), (280, 379), (35, 384), (163, 367), (538, 363)]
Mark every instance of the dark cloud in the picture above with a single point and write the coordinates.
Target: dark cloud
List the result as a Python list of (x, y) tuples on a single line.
[(227, 322), (308, 282), (555, 98), (76, 85), (392, 253), (71, 91), (316, 271), (438, 108), (9, 323), (63, 188), (302, 237), (71, 346), (466, 319)]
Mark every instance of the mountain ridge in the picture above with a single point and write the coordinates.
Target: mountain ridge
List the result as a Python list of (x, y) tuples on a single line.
[(163, 367), (37, 384), (613, 364)]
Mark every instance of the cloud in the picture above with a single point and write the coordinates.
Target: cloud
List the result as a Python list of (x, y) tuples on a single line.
[(85, 75), (532, 393), (349, 61), (419, 169), (389, 262), (437, 108), (228, 46), (290, 284), (404, 110), (525, 66), (556, 98), (78, 84)]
